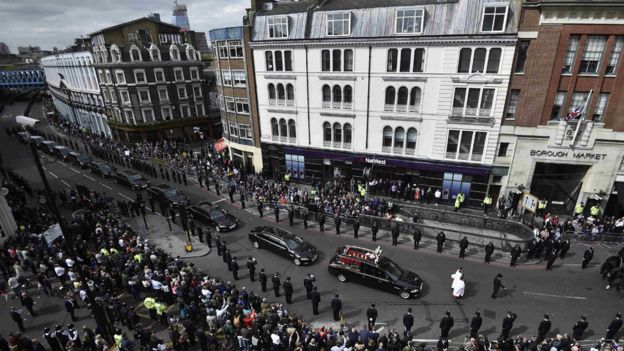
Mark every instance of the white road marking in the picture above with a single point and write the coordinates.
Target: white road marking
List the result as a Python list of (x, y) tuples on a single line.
[(64, 182), (86, 176), (220, 200), (54, 175), (106, 186), (558, 296), (125, 196), (77, 171)]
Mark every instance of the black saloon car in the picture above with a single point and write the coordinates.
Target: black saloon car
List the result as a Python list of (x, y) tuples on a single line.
[(372, 269), (61, 152), (214, 216), (80, 160), (163, 193), (284, 244), (101, 168), (130, 179)]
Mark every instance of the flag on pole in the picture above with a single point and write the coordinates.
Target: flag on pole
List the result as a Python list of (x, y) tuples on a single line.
[(578, 111)]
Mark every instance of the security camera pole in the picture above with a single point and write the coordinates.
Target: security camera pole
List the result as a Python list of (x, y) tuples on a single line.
[(98, 311)]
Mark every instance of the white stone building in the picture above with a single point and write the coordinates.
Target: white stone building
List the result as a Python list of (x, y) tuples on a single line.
[(416, 88)]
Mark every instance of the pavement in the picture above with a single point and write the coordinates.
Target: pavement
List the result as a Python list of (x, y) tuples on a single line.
[(565, 292)]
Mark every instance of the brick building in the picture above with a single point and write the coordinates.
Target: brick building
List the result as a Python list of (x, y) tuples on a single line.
[(568, 60)]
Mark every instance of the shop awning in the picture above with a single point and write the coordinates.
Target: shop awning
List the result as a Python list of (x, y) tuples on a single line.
[(220, 145)]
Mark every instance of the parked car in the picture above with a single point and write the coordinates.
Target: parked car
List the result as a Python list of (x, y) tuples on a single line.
[(131, 180), (101, 168), (61, 152), (36, 139), (165, 193), (47, 146), (283, 243), (80, 160), (371, 268), (213, 215)]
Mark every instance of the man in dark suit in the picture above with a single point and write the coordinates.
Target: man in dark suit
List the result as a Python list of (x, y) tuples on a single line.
[(579, 328), (498, 284), (288, 290), (336, 306), (615, 325), (408, 321), (308, 284), (262, 277), (371, 316), (395, 234), (543, 328), (475, 324), (321, 222), (315, 296), (508, 322), (446, 324), (251, 266), (463, 245), (441, 238), (356, 227), (276, 284), (374, 230)]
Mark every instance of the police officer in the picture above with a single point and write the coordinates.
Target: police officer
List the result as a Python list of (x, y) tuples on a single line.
[(227, 258), (251, 266), (440, 238), (262, 277), (288, 290), (305, 219), (336, 307), (276, 211), (395, 234), (291, 216), (356, 227), (374, 230), (321, 221), (219, 246), (234, 265), (565, 246), (260, 208), (508, 322), (371, 316), (408, 321), (475, 324), (337, 222), (551, 257), (463, 245), (308, 284), (498, 284), (587, 257), (614, 326), (417, 236), (315, 297), (543, 328), (578, 209), (487, 203), (515, 254), (276, 284), (489, 250), (446, 324), (541, 207), (579, 327), (242, 198)]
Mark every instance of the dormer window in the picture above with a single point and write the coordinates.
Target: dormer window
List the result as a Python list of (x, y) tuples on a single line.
[(190, 53), (115, 53), (175, 53), (494, 18), (338, 24), (135, 54), (409, 21), (154, 53), (278, 27)]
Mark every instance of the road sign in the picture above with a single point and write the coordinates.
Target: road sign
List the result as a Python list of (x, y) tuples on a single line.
[(529, 202), (53, 233)]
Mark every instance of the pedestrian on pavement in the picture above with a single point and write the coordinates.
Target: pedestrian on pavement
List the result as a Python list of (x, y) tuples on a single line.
[(463, 245), (315, 297), (498, 284), (374, 230), (29, 303), (356, 227), (17, 318), (515, 254), (475, 324), (336, 307), (276, 284), (337, 222), (227, 258), (508, 322), (260, 208), (235, 267), (308, 284), (395, 234), (242, 198), (441, 238), (305, 219), (489, 250), (231, 193), (446, 324), (371, 316), (321, 221), (276, 211), (70, 308), (543, 328), (587, 257), (251, 266), (417, 236), (408, 321), (288, 290), (579, 328), (614, 326), (291, 215), (262, 277)]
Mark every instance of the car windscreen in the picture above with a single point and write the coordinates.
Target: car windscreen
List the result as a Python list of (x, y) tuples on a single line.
[(83, 158), (216, 213), (104, 167), (134, 177), (391, 268), (293, 242), (172, 192)]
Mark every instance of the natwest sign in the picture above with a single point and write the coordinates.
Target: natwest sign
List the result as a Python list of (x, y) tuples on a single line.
[(375, 161)]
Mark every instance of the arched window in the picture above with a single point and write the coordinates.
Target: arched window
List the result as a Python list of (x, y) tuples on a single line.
[(336, 60), (274, 128), (337, 134), (402, 101), (392, 60), (154, 53), (399, 139), (283, 128), (104, 54), (494, 60), (464, 60), (414, 105), (269, 60), (288, 60), (348, 134), (390, 98), (292, 129), (271, 94), (115, 53), (325, 61), (337, 95), (174, 53), (410, 146), (348, 96), (406, 60), (478, 62), (96, 55), (387, 137), (348, 60), (290, 93), (190, 53), (279, 64), (326, 96), (327, 133), (281, 94)]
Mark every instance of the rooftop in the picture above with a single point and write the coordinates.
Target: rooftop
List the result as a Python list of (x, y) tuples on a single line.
[(150, 19)]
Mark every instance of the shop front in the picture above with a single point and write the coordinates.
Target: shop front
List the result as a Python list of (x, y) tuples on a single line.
[(314, 166)]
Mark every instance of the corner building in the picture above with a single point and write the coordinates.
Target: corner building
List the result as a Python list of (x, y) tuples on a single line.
[(414, 88), (565, 51)]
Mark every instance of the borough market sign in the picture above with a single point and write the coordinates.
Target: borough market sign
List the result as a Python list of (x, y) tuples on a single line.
[(577, 155)]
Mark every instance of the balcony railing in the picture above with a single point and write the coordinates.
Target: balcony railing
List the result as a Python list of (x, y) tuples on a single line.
[(401, 108), (336, 105), (451, 155), (389, 108), (336, 144), (413, 108), (346, 145), (347, 105), (476, 157), (282, 139), (272, 102), (292, 140), (485, 112), (326, 104), (397, 150), (386, 149), (290, 102), (326, 143), (281, 102), (470, 111), (409, 151), (463, 156)]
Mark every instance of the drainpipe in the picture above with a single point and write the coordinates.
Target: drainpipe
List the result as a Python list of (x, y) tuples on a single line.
[(370, 52), (308, 95)]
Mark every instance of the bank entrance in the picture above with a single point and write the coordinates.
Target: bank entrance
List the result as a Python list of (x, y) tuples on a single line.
[(559, 183)]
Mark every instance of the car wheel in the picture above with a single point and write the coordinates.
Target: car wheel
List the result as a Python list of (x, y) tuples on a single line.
[(256, 244), (405, 295), (342, 278), (297, 262)]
